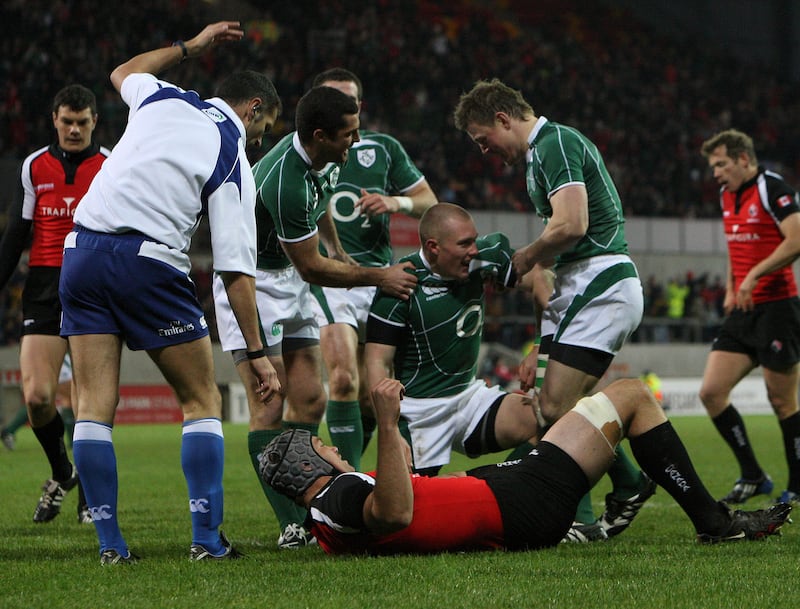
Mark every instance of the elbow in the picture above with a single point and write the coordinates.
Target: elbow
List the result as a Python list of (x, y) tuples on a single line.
[(307, 276), (397, 520), (575, 232), (307, 272), (117, 76)]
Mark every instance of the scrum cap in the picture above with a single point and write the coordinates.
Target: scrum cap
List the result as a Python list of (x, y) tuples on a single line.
[(289, 463)]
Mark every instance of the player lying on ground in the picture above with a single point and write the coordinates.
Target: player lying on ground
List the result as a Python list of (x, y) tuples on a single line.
[(524, 504)]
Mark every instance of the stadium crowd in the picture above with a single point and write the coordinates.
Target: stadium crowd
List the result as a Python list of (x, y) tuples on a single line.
[(588, 59), (648, 101)]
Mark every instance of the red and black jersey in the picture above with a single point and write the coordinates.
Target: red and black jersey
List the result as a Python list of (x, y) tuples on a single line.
[(752, 217), (450, 514), (54, 182)]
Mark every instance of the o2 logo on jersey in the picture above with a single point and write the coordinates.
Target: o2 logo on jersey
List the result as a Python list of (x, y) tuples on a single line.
[(340, 203), (344, 207), (470, 322)]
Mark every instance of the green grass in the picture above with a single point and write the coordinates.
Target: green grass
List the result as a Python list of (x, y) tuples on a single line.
[(654, 564)]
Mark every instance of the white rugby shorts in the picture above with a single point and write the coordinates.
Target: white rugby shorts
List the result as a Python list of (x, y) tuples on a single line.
[(441, 425), (284, 308), (344, 306), (596, 303)]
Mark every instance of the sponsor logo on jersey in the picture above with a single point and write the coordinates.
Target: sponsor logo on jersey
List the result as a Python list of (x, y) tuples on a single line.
[(776, 346), (65, 211), (28, 322), (276, 329), (742, 237), (366, 158), (176, 328), (752, 211), (215, 115), (433, 292), (45, 187), (203, 323), (470, 322), (785, 200)]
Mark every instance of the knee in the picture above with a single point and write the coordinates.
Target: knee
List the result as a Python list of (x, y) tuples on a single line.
[(712, 399), (40, 400), (343, 383), (308, 403), (552, 409), (783, 406), (706, 396), (205, 404), (640, 394)]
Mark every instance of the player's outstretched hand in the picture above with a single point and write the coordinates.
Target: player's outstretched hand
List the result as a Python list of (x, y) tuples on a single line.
[(212, 35)]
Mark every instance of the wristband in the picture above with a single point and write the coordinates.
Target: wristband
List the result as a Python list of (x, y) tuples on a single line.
[(406, 204), (257, 354), (182, 45)]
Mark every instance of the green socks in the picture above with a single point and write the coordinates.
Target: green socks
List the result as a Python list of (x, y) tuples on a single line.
[(585, 514), (346, 431), (625, 475), (286, 511)]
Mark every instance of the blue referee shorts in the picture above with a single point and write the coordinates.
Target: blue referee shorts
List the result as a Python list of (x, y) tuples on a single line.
[(125, 284)]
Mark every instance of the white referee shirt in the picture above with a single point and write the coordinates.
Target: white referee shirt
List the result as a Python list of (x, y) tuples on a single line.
[(180, 157)]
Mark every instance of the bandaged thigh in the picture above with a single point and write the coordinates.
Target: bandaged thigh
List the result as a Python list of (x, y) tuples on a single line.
[(601, 413)]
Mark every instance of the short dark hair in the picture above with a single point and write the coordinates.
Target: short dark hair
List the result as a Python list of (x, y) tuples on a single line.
[(75, 97), (244, 85), (338, 75), (323, 108)]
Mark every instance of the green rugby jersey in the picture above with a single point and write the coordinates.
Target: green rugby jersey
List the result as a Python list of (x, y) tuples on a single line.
[(560, 155), (378, 164), (437, 332), (291, 198)]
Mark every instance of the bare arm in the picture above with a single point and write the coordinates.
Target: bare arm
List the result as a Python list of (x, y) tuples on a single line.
[(785, 254), (378, 359), (330, 239), (158, 60), (566, 227), (13, 243), (319, 270), (390, 507), (421, 196), (241, 290), (542, 279)]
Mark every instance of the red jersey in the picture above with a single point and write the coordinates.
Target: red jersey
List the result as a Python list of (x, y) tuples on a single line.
[(53, 184), (450, 514), (752, 217)]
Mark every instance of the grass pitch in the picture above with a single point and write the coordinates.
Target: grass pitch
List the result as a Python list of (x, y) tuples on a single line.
[(656, 563)]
